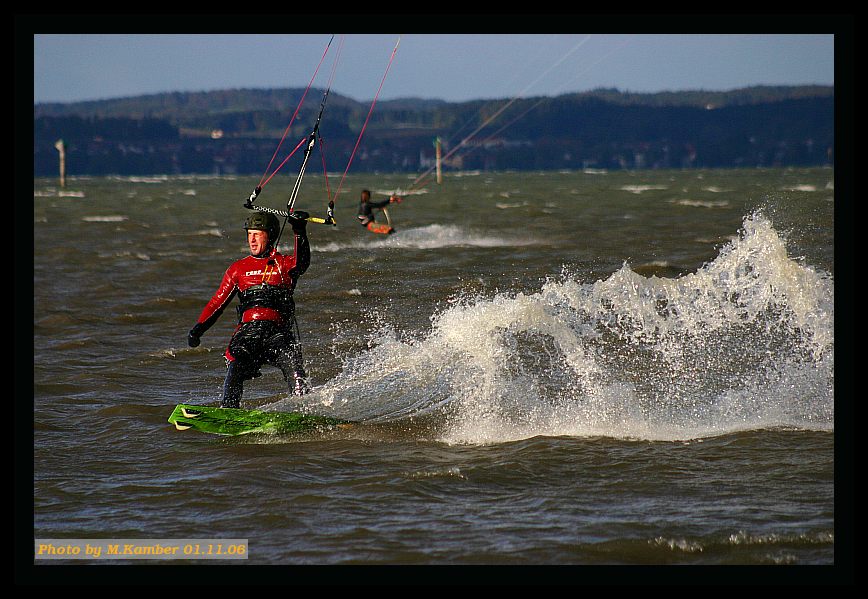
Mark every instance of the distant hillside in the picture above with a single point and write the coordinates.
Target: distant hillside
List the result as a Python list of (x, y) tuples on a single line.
[(236, 131)]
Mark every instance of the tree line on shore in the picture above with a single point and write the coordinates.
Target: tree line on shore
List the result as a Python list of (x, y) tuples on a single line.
[(236, 131)]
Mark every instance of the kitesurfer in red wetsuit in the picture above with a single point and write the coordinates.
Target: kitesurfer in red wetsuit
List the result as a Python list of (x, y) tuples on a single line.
[(264, 282), (366, 213)]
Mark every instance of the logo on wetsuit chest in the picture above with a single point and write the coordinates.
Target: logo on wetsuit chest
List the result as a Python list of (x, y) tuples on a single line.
[(267, 274)]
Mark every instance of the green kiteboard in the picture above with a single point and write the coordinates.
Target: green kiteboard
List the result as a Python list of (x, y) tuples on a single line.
[(233, 421)]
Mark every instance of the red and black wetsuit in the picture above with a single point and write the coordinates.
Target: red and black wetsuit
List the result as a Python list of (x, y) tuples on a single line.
[(266, 314)]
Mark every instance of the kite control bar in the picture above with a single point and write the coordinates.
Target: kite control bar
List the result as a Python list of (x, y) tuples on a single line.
[(329, 220)]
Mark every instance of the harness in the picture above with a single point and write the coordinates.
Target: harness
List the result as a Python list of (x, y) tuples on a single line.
[(273, 297)]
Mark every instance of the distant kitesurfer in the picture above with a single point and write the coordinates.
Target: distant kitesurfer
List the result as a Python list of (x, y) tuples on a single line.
[(366, 212), (264, 282)]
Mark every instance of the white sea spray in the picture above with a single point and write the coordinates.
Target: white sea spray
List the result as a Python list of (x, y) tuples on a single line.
[(745, 342)]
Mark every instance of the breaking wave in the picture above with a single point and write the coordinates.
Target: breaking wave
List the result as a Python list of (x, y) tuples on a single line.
[(746, 342)]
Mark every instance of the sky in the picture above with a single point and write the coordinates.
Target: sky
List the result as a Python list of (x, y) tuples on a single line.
[(452, 67)]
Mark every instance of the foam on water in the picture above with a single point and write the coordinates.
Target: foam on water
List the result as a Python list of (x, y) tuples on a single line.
[(114, 218), (642, 188), (429, 237), (746, 342), (700, 203)]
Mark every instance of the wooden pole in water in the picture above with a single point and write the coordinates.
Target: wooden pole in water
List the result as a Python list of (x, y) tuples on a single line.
[(439, 171), (61, 147)]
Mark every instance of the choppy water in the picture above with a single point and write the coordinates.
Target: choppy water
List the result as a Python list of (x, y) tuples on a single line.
[(625, 368)]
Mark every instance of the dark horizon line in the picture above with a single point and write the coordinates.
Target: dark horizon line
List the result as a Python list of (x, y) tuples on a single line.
[(426, 99)]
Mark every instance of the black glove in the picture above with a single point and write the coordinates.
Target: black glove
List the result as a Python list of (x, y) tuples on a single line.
[(194, 334), (298, 220)]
